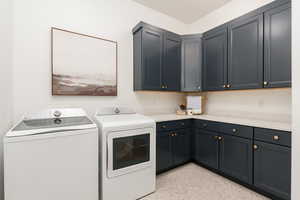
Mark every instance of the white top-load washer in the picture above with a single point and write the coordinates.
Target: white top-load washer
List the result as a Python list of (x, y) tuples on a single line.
[(52, 155), (127, 154)]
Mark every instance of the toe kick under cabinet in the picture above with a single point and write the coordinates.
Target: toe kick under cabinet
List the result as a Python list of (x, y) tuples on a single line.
[(255, 157)]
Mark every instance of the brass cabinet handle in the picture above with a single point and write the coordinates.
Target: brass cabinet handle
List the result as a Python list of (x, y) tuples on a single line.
[(220, 138), (275, 137), (162, 86), (265, 83), (224, 86), (228, 86), (255, 147), (164, 126), (234, 130), (166, 86)]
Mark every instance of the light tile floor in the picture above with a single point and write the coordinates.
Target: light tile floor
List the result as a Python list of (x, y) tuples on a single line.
[(191, 182)]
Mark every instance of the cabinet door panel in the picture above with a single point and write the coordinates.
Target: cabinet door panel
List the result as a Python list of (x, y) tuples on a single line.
[(163, 151), (206, 148), (152, 59), (278, 47), (245, 56), (215, 59), (236, 157), (171, 64), (181, 147), (272, 169), (191, 63)]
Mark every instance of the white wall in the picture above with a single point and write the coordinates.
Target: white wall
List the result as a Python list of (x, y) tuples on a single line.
[(230, 11), (296, 100), (111, 19), (266, 104), (5, 76)]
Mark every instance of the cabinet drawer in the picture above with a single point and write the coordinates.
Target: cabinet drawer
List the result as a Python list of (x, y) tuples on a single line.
[(273, 136), (173, 125), (207, 125), (237, 130)]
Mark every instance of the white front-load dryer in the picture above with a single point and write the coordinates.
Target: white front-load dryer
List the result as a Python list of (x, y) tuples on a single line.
[(127, 154)]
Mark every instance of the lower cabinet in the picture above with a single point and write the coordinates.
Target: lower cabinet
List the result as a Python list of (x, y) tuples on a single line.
[(229, 154), (272, 169), (206, 148), (163, 151), (260, 158), (181, 147), (173, 148), (236, 157)]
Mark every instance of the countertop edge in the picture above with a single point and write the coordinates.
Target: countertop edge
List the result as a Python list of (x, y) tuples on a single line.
[(256, 123)]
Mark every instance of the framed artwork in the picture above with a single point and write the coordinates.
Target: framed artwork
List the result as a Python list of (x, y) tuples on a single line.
[(83, 65)]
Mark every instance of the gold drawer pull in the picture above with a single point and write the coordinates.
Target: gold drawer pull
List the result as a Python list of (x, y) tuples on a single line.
[(234, 130), (164, 126), (255, 147), (220, 138), (275, 137)]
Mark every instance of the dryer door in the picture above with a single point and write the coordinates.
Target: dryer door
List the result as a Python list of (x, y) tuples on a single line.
[(129, 151)]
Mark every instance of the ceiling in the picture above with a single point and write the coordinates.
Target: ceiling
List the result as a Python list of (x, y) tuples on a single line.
[(187, 11)]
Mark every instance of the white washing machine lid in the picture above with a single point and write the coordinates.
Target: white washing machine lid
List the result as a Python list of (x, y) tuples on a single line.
[(44, 122)]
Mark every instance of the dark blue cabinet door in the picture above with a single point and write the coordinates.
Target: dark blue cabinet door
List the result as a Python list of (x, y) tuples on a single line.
[(236, 156), (163, 151), (191, 63), (171, 62), (181, 147), (206, 148), (277, 72), (245, 54), (215, 59), (272, 169), (152, 54)]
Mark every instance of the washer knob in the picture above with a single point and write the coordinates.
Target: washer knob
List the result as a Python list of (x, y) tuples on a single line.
[(57, 113), (117, 111)]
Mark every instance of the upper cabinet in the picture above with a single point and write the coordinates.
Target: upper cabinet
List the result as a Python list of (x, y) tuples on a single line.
[(157, 59), (191, 63), (171, 64), (245, 52), (277, 49), (250, 52), (148, 60), (215, 59)]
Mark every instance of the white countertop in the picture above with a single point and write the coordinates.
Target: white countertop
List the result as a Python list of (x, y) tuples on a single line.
[(277, 125)]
